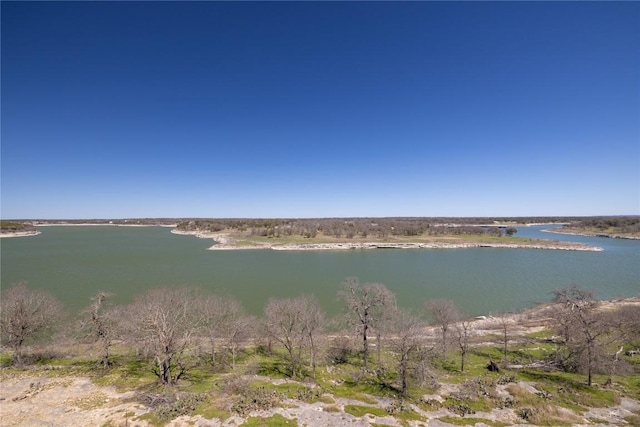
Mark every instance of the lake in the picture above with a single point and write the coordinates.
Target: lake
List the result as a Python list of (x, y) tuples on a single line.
[(74, 262)]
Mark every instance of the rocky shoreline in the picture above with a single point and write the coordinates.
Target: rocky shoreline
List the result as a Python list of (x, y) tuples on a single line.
[(435, 245), (225, 242)]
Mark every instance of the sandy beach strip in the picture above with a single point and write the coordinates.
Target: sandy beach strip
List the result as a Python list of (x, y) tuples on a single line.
[(20, 234)]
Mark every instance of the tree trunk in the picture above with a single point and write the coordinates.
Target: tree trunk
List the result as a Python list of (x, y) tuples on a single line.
[(506, 360), (233, 358), (17, 351), (403, 375), (105, 357), (378, 339), (366, 346), (164, 373), (444, 344), (313, 356), (589, 368), (365, 343)]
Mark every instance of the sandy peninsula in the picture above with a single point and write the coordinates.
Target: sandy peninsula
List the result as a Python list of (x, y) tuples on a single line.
[(20, 234), (225, 242)]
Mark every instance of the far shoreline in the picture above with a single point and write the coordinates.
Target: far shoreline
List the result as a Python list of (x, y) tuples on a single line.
[(93, 224), (38, 232)]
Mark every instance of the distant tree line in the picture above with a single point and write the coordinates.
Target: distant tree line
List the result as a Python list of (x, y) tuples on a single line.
[(348, 227), (176, 329)]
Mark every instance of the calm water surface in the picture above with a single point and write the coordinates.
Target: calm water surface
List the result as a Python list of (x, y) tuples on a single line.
[(75, 262)]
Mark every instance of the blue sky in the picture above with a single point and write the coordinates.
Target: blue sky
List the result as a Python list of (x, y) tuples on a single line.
[(261, 109)]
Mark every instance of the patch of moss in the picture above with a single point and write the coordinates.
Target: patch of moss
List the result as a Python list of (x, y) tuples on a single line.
[(5, 359)]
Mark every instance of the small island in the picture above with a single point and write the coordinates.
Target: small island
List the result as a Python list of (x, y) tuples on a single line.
[(369, 233), (622, 227)]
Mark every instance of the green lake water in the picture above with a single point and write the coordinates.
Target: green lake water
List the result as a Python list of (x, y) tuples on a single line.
[(75, 262)]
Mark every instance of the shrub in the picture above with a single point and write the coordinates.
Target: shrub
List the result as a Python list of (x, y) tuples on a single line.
[(256, 399)]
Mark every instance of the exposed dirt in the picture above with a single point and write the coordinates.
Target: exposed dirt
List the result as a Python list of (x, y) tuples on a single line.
[(77, 402), (67, 401)]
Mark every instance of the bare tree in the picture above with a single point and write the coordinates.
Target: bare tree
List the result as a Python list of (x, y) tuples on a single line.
[(165, 319), (212, 307), (365, 303), (406, 333), (26, 315), (443, 313), (101, 323), (289, 322), (626, 320), (504, 321), (235, 326), (624, 325), (315, 322), (225, 321), (382, 324), (463, 332), (583, 329)]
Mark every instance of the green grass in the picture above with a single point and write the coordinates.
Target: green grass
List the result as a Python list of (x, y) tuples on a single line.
[(540, 335), (152, 419), (276, 420), (471, 421), (362, 390), (408, 415), (272, 366), (349, 381), (476, 405), (541, 411), (405, 414), (629, 385), (126, 373), (212, 411), (361, 411), (5, 359)]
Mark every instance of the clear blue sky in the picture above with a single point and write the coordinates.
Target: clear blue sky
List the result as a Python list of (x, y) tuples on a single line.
[(200, 109)]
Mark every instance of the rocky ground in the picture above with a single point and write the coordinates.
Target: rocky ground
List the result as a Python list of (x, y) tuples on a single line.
[(48, 397), (77, 402)]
